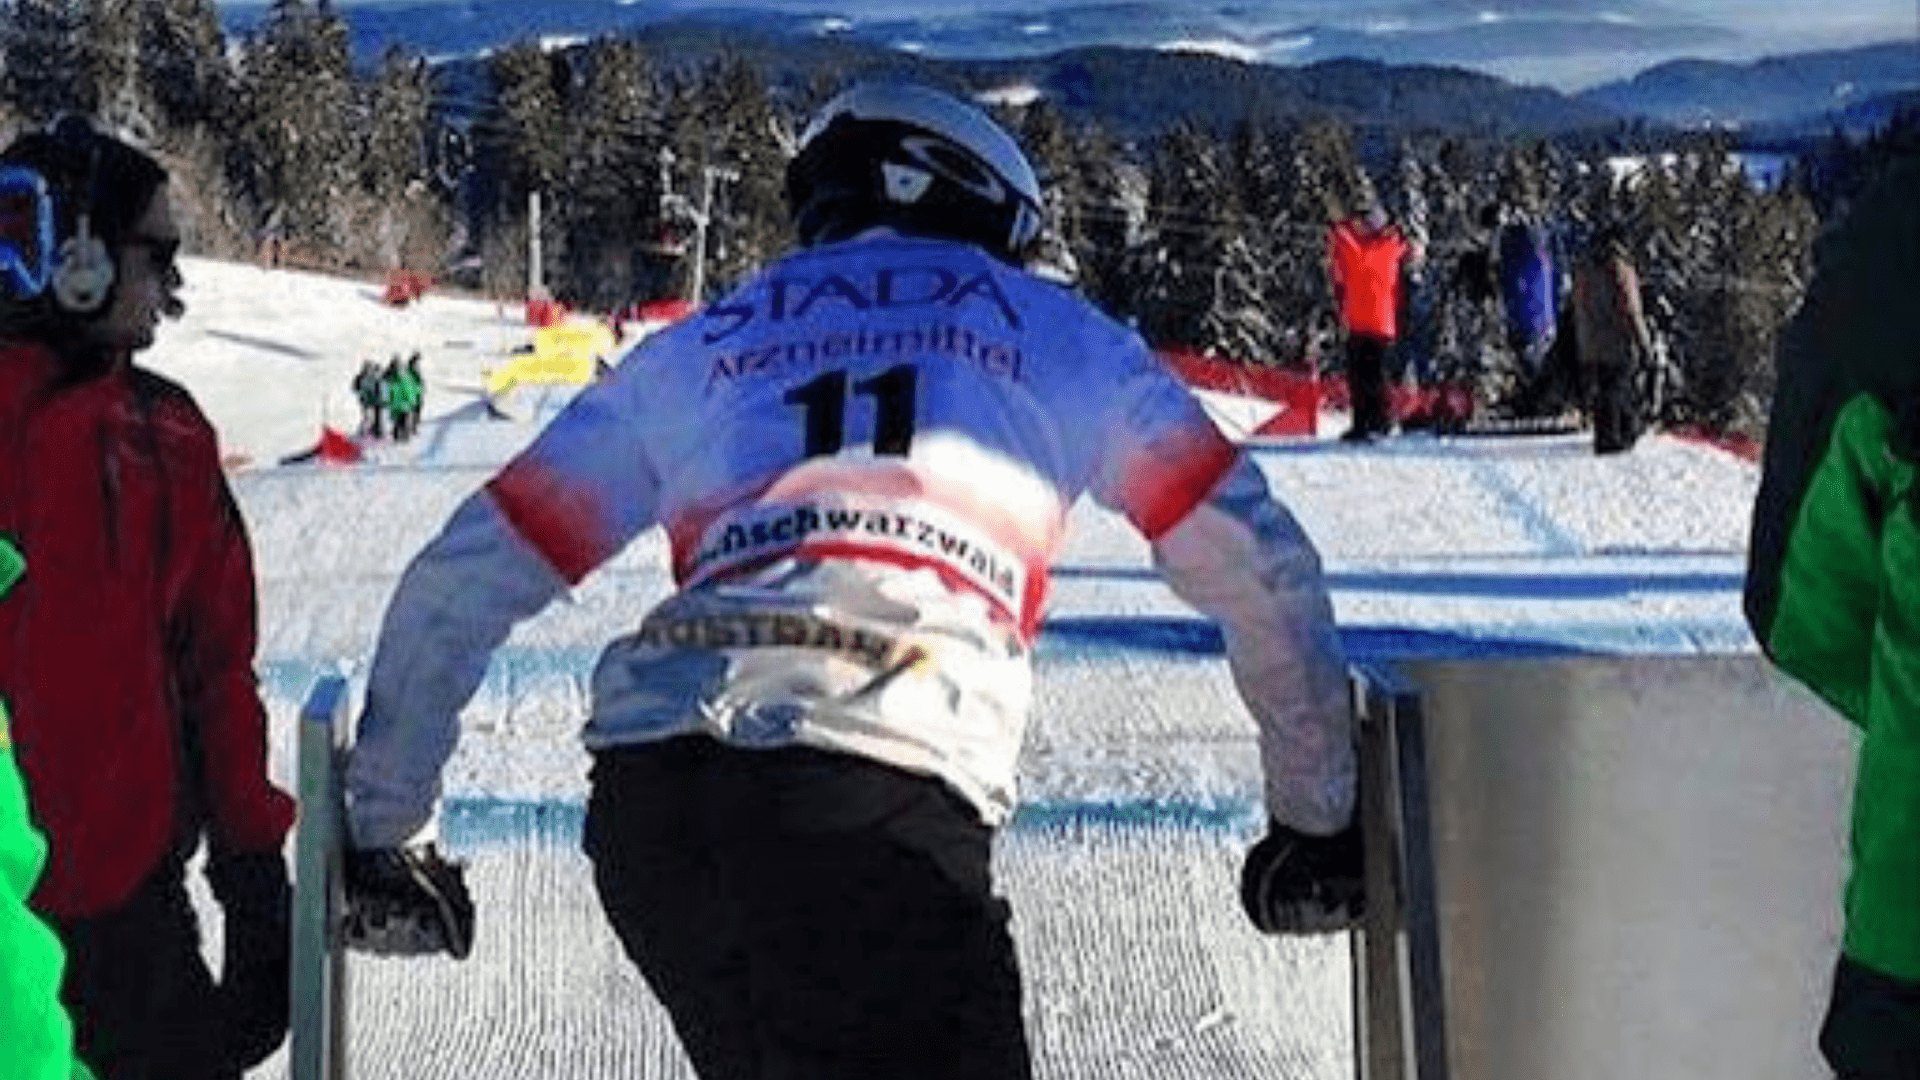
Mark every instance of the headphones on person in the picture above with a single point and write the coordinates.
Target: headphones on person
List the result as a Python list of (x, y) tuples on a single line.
[(83, 268)]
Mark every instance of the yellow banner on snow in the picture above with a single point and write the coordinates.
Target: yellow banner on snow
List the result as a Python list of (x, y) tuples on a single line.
[(563, 353)]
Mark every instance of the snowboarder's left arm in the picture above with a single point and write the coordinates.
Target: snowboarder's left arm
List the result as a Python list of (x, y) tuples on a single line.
[(567, 504), (1228, 548)]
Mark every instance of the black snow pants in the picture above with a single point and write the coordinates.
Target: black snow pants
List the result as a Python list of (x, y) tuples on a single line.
[(1618, 417), (1367, 383), (1872, 1030), (806, 915), (139, 992)]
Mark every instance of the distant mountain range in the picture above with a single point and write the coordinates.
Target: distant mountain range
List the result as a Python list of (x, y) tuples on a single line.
[(1138, 91), (1390, 73), (1774, 90), (1484, 34)]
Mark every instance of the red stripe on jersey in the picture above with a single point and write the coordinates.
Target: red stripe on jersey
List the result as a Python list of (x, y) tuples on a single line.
[(686, 527), (1159, 491), (561, 522), (1033, 606)]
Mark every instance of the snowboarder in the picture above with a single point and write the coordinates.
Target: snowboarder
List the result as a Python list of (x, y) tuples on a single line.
[(131, 683), (1610, 336), (36, 1037), (367, 390), (863, 459), (1365, 254), (1833, 591)]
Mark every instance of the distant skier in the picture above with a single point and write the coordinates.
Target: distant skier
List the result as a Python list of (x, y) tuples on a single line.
[(1366, 254), (1833, 590), (1610, 336), (863, 459), (416, 385), (367, 390), (397, 398)]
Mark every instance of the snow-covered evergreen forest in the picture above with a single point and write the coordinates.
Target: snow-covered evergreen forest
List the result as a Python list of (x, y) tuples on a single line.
[(1211, 240)]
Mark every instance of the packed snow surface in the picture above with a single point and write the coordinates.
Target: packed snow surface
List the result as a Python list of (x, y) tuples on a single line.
[(1140, 778)]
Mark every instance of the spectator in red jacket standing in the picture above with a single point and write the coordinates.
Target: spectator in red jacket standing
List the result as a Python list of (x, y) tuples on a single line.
[(1365, 254), (127, 652)]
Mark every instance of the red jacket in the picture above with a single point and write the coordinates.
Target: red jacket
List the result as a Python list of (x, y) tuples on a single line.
[(132, 636), (1366, 278)]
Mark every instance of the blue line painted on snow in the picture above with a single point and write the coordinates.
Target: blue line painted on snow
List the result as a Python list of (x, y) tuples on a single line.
[(469, 824), (1515, 586), (1535, 522)]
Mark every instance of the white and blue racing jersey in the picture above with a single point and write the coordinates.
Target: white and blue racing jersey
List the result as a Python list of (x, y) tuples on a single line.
[(863, 459)]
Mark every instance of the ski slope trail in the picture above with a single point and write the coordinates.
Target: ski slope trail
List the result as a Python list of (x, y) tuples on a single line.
[(1139, 774)]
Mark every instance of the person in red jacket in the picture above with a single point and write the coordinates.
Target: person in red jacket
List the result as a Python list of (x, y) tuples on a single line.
[(127, 654), (1365, 254)]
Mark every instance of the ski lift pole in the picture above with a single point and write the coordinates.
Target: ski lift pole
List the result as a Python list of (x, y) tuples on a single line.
[(701, 219), (536, 278)]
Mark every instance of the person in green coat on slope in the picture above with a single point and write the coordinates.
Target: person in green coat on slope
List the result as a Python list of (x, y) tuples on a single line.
[(36, 1036), (1833, 590)]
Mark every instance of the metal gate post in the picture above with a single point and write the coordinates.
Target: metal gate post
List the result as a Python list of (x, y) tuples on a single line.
[(318, 1047), (1398, 992)]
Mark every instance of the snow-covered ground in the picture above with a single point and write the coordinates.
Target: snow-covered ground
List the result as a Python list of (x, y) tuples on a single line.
[(1139, 773)]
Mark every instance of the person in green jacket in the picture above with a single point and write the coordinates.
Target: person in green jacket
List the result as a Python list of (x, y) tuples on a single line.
[(1833, 591), (403, 393), (36, 1036)]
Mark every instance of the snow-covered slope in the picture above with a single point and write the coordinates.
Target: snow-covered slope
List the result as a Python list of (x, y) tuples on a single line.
[(1139, 772), (1516, 546)]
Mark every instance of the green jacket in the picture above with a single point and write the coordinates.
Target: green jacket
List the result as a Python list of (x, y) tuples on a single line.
[(1833, 587), (36, 1038), (403, 392)]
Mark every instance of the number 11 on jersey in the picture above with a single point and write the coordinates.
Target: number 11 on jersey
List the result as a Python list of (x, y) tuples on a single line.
[(824, 402)]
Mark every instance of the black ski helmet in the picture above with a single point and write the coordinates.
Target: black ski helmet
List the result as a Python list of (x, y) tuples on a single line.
[(912, 157)]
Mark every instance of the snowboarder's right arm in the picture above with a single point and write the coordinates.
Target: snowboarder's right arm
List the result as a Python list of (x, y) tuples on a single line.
[(565, 505)]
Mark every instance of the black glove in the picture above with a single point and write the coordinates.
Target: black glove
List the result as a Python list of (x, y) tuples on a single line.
[(1295, 883), (1873, 1023), (407, 902), (253, 994)]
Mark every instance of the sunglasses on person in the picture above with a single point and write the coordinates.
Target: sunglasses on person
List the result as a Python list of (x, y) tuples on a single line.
[(163, 252)]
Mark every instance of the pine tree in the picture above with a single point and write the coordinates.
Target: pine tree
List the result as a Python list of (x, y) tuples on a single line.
[(110, 43), (732, 126), (1282, 238), (523, 131), (395, 170), (1110, 220), (46, 66), (1204, 288), (611, 190), (183, 56), (301, 112), (1049, 147), (520, 147)]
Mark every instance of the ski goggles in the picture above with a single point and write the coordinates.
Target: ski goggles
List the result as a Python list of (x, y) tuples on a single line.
[(26, 234)]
